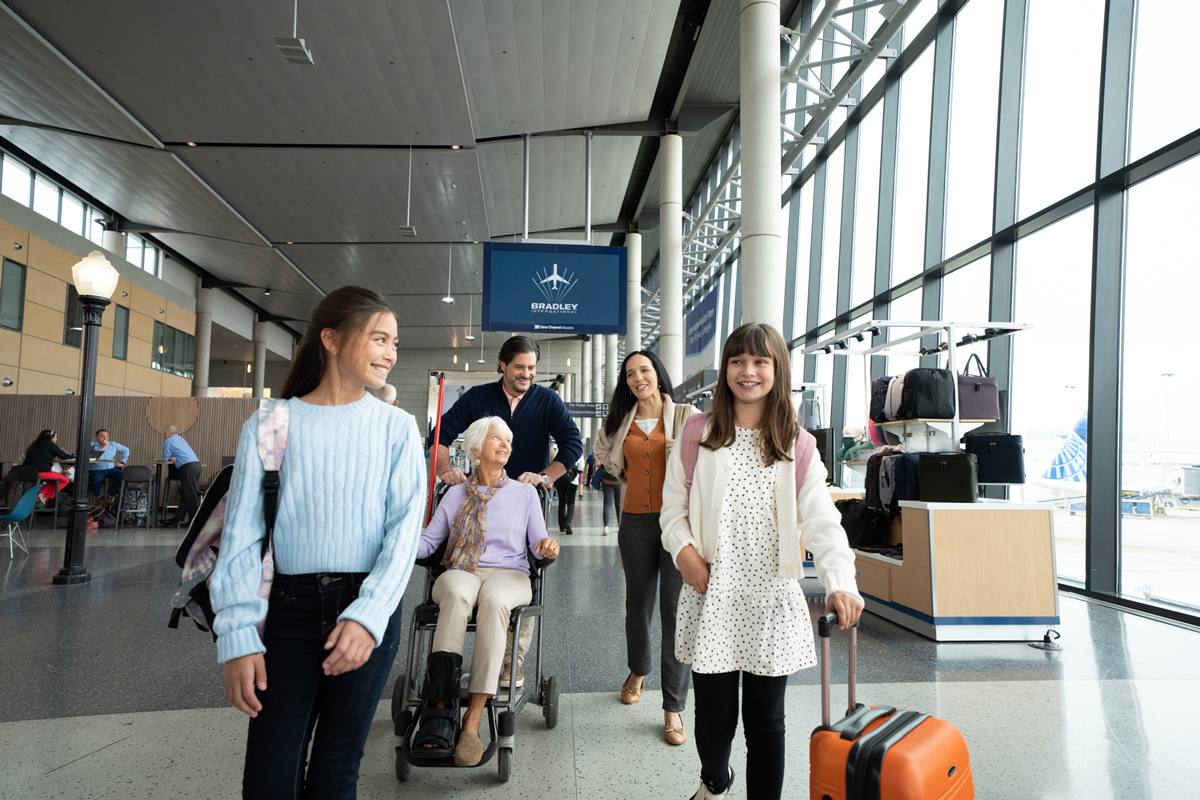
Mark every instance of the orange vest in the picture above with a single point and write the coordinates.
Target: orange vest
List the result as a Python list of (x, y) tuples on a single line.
[(645, 468)]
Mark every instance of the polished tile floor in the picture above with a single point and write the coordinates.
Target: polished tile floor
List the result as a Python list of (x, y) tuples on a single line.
[(99, 699)]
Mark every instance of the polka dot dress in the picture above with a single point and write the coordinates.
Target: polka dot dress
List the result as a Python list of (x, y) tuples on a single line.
[(750, 619)]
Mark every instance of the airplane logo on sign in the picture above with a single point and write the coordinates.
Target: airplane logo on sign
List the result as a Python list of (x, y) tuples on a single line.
[(554, 287)]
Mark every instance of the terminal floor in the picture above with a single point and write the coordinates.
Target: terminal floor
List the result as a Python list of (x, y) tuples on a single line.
[(99, 699)]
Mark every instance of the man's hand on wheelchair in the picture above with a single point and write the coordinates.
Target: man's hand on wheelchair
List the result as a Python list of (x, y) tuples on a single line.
[(547, 548), (453, 477)]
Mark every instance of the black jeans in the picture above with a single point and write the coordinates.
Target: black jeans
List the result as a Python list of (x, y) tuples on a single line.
[(762, 722), (189, 491), (303, 612), (566, 502), (650, 572)]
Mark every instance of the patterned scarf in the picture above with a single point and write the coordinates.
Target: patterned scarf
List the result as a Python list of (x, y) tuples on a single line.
[(468, 531)]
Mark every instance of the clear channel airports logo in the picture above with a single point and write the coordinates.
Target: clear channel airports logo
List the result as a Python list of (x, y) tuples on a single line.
[(554, 288)]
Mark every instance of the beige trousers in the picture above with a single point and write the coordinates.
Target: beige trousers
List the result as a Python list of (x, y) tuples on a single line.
[(496, 592)]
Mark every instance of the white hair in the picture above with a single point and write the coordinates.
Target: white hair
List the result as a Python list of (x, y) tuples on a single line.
[(473, 438)]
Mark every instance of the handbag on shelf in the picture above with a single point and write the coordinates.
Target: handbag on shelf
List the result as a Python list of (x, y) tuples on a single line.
[(1001, 456), (948, 477), (927, 394), (978, 395)]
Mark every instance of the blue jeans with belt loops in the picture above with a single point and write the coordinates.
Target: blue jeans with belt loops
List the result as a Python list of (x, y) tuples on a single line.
[(303, 612)]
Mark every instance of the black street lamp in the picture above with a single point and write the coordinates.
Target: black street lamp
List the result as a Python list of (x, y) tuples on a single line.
[(95, 280)]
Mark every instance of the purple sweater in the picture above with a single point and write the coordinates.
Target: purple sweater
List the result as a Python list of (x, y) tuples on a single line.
[(514, 522)]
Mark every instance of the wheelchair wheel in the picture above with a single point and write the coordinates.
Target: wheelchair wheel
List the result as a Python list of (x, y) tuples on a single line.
[(550, 693), (398, 692), (505, 758), (403, 768)]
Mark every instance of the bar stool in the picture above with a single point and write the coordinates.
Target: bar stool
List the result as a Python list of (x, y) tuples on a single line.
[(136, 476)]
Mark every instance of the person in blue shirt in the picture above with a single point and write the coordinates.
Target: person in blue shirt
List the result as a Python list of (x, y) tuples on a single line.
[(179, 454), (104, 449), (349, 520), (534, 413)]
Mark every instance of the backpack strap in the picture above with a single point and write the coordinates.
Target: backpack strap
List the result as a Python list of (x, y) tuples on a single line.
[(272, 444), (689, 443), (806, 443)]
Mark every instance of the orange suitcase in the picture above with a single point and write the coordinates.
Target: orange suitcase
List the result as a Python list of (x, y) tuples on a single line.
[(882, 753)]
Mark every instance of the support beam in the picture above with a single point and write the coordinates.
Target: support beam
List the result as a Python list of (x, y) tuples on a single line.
[(204, 312), (670, 266), (585, 386), (260, 358), (633, 296)]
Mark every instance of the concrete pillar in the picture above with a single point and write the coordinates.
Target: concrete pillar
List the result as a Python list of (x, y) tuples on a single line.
[(633, 294), (670, 259), (611, 366), (260, 358), (585, 388), (762, 243), (114, 242), (204, 304)]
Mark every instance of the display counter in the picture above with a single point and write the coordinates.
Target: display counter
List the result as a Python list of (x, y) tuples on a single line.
[(971, 572)]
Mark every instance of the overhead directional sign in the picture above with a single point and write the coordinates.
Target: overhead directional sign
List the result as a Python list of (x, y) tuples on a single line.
[(588, 410), (553, 288)]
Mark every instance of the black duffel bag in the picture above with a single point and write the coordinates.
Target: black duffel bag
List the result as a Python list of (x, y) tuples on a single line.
[(1001, 456), (928, 394), (948, 477), (865, 526)]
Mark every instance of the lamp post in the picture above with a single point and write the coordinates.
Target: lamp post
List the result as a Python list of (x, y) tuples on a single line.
[(95, 280)]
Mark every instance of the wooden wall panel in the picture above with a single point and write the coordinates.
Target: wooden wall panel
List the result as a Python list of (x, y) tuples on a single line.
[(45, 290), (10, 348), (42, 323), (41, 355), (9, 235), (911, 583), (51, 259), (211, 425)]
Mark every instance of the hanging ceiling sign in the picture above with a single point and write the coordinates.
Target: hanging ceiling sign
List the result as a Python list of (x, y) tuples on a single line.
[(553, 288)]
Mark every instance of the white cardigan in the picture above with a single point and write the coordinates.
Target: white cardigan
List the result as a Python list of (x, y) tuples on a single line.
[(808, 512)]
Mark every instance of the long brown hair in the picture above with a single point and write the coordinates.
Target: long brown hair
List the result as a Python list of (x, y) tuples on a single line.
[(346, 311), (779, 420)]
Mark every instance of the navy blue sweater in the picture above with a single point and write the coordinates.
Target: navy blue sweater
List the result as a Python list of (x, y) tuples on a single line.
[(540, 415)]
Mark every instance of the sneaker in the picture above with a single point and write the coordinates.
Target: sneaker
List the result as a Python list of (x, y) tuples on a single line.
[(704, 793), (606, 530), (569, 531), (506, 676)]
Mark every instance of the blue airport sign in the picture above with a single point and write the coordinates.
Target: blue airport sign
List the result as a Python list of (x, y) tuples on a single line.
[(553, 288)]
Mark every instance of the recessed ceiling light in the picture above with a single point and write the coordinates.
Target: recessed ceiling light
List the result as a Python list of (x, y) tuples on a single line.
[(455, 146), (267, 291), (191, 144), (470, 337), (447, 300)]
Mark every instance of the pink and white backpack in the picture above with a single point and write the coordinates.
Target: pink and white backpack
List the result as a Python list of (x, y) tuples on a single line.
[(197, 553), (693, 432)]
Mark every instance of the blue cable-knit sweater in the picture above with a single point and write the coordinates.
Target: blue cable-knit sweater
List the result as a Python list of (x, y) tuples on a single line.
[(351, 499)]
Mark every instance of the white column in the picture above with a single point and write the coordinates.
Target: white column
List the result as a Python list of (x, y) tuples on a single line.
[(611, 366), (260, 357), (585, 388), (114, 242), (762, 244), (597, 369), (670, 259), (204, 303), (633, 294)]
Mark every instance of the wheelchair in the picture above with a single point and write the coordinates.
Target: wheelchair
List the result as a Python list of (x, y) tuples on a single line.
[(502, 708)]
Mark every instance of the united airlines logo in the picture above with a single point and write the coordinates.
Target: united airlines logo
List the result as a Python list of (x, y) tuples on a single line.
[(554, 288)]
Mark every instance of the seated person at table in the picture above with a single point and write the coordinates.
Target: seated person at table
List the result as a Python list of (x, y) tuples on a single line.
[(40, 455), (112, 456), (489, 521)]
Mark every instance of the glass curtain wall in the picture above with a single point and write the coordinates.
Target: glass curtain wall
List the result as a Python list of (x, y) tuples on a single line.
[(1041, 96)]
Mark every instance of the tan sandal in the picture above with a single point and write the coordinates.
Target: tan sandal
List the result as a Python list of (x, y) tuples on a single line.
[(630, 696), (469, 750), (675, 735)]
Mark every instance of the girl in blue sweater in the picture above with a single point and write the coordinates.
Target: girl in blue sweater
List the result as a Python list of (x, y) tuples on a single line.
[(350, 514)]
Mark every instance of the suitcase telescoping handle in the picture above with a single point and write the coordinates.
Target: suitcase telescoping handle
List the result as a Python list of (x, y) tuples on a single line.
[(826, 624)]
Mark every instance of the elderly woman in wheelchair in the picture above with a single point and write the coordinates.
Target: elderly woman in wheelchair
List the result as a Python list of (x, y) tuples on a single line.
[(488, 523)]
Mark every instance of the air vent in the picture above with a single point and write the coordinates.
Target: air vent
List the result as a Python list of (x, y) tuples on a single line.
[(293, 50), (408, 230)]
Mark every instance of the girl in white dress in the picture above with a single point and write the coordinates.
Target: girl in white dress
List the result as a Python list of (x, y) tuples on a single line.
[(734, 531)]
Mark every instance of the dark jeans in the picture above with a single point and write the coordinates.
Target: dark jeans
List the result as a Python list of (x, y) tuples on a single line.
[(566, 502), (303, 612), (649, 571), (612, 502), (97, 477), (762, 721), (189, 491)]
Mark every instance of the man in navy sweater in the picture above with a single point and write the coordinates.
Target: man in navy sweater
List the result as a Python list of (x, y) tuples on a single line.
[(534, 413)]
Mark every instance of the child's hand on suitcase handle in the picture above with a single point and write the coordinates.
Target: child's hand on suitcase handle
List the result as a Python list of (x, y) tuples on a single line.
[(848, 607), (693, 569)]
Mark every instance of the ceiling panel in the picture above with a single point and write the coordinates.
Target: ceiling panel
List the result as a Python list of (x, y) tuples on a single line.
[(556, 181), (149, 186), (544, 65), (384, 72), (393, 269), (355, 195)]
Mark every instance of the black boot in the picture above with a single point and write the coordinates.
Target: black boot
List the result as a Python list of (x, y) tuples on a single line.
[(439, 726)]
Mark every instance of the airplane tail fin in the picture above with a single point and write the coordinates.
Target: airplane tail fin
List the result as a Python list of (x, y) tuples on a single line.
[(1071, 462)]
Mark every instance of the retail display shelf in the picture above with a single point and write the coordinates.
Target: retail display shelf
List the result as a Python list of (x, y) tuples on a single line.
[(899, 562)]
